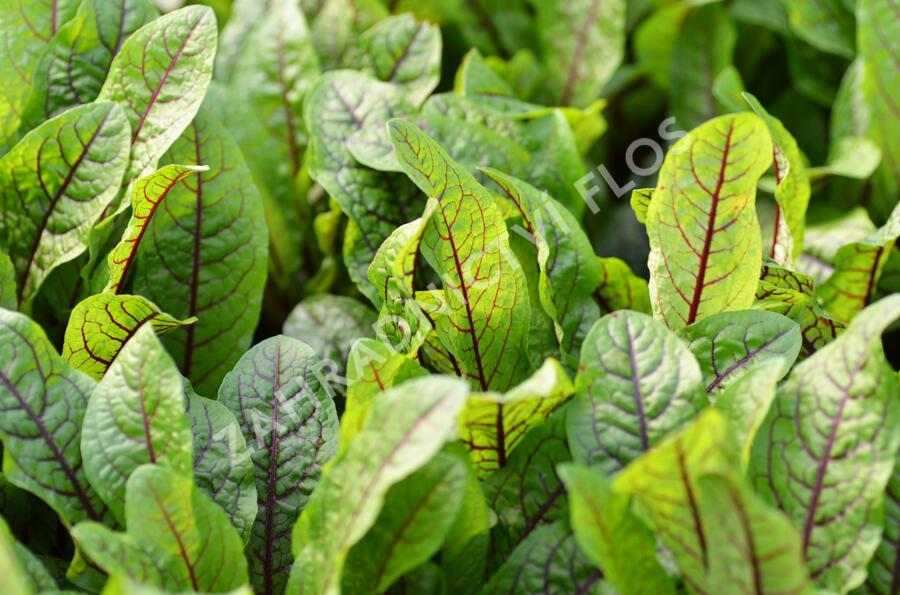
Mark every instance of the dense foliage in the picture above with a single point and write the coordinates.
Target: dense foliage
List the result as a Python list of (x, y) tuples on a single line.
[(321, 296)]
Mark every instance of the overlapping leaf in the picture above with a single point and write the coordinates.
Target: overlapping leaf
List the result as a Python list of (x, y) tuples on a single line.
[(135, 416), (204, 255), (406, 427), (884, 568), (55, 183), (467, 243), (637, 382), (43, 402), (290, 424), (620, 288), (827, 448), (14, 575), (705, 246), (159, 77)]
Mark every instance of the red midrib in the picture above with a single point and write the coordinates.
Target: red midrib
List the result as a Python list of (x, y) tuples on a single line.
[(710, 230)]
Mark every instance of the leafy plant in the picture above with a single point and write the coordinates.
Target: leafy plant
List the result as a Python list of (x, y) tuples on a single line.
[(305, 296)]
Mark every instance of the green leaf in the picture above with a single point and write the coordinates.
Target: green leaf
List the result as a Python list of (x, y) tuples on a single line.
[(26, 26), (337, 25), (610, 535), (416, 516), (291, 427), (223, 468), (330, 324), (402, 51), (729, 344), (406, 427), (135, 416), (177, 538), (827, 26), (620, 288), (273, 72), (857, 269), (464, 556), (582, 44), (147, 194), (851, 157), (100, 325), (550, 562), (16, 581), (568, 265), (467, 243), (43, 402), (884, 568), (702, 51), (8, 290), (340, 105), (640, 203), (204, 255), (159, 77), (55, 184), (636, 383), (817, 327), (826, 451), (372, 368), (705, 247), (655, 39), (72, 68), (493, 424)]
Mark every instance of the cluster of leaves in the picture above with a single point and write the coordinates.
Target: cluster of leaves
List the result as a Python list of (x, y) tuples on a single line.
[(486, 405)]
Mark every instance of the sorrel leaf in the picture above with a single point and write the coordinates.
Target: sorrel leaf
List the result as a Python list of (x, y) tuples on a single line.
[(291, 425), (43, 402), (705, 249), (135, 416)]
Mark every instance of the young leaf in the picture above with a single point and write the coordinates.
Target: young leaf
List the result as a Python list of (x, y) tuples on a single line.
[(177, 538), (582, 45), (159, 77), (705, 249), (620, 288), (204, 255), (55, 184), (291, 427), (406, 427), (7, 283), (728, 344), (73, 67), (817, 327), (147, 194), (416, 516), (610, 535), (43, 402), (827, 448), (467, 243), (16, 581), (223, 468), (135, 416), (637, 382), (492, 424), (100, 325)]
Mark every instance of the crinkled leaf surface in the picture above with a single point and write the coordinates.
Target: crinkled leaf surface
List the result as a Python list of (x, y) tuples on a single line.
[(406, 427), (610, 535), (728, 344), (636, 383), (291, 427), (159, 78), (135, 416), (177, 538), (485, 326), (705, 247), (55, 184), (204, 255), (492, 424), (100, 325), (43, 401), (827, 448)]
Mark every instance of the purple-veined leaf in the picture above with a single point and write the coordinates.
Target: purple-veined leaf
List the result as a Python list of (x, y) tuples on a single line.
[(159, 78), (827, 449), (817, 327), (884, 569), (43, 402), (101, 325), (620, 288), (204, 255), (466, 242), (407, 426), (135, 416), (726, 345), (55, 184), (705, 246), (637, 382), (291, 427)]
